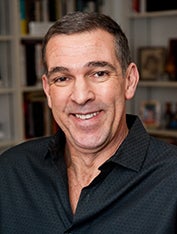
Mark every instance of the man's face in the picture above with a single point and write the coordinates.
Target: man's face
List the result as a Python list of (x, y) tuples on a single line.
[(86, 89)]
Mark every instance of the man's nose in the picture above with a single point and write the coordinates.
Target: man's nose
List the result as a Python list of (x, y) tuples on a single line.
[(82, 91)]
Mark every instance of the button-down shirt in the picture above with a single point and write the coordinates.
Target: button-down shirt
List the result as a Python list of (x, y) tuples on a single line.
[(135, 192)]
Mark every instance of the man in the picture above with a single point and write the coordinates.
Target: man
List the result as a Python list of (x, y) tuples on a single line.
[(102, 172)]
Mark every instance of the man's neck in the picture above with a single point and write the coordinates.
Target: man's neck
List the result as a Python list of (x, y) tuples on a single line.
[(83, 166), (81, 172)]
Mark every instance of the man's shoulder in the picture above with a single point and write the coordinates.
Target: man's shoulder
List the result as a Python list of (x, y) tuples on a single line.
[(33, 147), (163, 152), (163, 146)]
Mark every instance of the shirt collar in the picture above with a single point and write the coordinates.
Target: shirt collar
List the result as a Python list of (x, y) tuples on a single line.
[(57, 145), (132, 152)]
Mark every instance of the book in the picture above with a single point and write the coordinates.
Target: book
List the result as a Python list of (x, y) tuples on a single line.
[(23, 18), (139, 6), (23, 65), (45, 13), (159, 5), (70, 6), (39, 28), (38, 63), (31, 62), (31, 77), (35, 114), (3, 26)]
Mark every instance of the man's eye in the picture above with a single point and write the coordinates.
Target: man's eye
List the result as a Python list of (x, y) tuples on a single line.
[(59, 81), (101, 74)]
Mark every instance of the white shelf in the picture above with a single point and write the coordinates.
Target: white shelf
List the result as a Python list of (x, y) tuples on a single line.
[(6, 143), (154, 14), (31, 37), (32, 88), (160, 84), (164, 133), (6, 90), (5, 38), (154, 29)]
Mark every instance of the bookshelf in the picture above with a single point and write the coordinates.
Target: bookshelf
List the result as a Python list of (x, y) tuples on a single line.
[(24, 111), (9, 94), (155, 29), (145, 29)]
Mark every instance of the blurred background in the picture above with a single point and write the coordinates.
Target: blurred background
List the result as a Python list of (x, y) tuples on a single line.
[(151, 29)]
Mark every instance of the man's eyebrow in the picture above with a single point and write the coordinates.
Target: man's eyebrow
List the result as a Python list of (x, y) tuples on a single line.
[(57, 69), (89, 64), (100, 64)]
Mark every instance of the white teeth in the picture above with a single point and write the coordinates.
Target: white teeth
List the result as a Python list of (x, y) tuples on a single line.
[(87, 116)]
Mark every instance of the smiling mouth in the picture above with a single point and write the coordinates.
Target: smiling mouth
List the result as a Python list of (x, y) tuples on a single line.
[(86, 116)]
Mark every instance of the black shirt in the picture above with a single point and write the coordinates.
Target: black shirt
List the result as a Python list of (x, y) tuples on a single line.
[(136, 191)]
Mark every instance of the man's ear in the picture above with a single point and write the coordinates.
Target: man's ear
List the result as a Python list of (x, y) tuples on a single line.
[(46, 88), (132, 78)]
